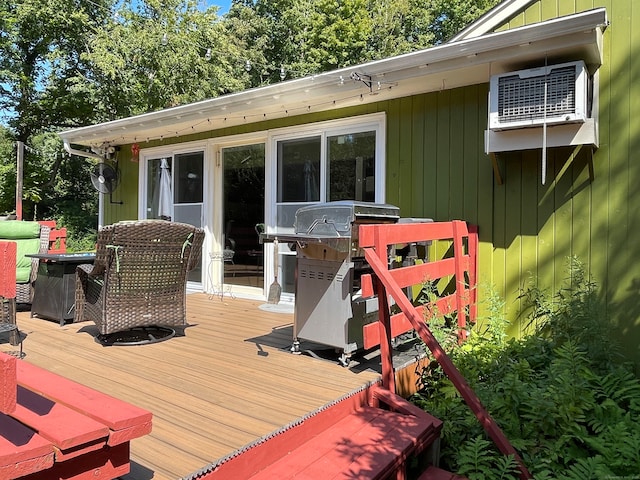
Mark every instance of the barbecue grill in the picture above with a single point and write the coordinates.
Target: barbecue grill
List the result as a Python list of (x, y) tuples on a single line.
[(329, 264)]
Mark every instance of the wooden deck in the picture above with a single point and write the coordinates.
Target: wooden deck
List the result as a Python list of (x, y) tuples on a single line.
[(227, 382)]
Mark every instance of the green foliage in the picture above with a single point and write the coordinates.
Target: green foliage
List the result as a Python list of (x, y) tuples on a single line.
[(563, 397), (157, 53), (40, 50), (451, 16)]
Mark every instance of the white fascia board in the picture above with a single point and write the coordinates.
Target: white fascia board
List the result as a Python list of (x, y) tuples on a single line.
[(403, 75)]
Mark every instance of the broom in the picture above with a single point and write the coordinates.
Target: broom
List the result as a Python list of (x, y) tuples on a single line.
[(275, 289)]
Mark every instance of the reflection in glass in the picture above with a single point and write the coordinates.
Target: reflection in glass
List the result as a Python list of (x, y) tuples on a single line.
[(155, 194), (244, 182), (188, 178), (299, 170), (351, 167)]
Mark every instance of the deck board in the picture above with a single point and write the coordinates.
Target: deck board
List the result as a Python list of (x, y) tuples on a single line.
[(228, 381)]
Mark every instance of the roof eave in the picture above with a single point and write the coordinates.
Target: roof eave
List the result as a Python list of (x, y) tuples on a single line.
[(450, 65)]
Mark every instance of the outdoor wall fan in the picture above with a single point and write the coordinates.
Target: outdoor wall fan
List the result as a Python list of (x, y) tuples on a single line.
[(105, 179)]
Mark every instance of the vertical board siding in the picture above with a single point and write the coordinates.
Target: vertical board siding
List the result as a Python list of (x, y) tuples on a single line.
[(436, 168), (593, 217)]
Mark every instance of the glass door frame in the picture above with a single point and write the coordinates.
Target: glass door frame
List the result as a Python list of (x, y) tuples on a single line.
[(216, 273), (363, 123), (170, 152)]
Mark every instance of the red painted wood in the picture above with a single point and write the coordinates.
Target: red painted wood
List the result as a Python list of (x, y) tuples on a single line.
[(21, 468), (380, 269), (21, 447), (400, 233), (8, 383), (367, 286), (8, 269), (331, 443), (258, 457), (384, 331), (424, 272), (73, 452), (369, 443), (473, 272), (458, 228), (124, 435), (106, 464), (62, 426), (112, 412), (380, 236), (399, 404), (59, 429), (400, 324), (434, 473), (57, 237), (318, 446)]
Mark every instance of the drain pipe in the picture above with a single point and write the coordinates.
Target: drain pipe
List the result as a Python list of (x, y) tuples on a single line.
[(95, 156)]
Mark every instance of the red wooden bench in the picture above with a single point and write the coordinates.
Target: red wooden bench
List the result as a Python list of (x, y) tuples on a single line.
[(369, 435), (53, 428)]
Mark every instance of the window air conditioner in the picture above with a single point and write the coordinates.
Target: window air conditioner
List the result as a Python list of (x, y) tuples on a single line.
[(518, 99)]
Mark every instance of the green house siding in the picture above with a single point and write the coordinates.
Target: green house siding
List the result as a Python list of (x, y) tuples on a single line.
[(436, 168), (597, 219)]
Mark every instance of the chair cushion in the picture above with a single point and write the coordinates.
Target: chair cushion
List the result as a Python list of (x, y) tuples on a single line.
[(27, 237), (15, 229), (23, 264)]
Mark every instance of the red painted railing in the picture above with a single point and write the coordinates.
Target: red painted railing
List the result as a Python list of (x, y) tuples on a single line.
[(57, 237), (376, 241)]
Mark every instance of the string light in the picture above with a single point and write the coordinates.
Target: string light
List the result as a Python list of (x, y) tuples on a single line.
[(247, 118)]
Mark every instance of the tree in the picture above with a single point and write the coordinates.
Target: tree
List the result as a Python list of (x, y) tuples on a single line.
[(7, 171), (451, 16), (162, 53), (303, 37), (40, 57)]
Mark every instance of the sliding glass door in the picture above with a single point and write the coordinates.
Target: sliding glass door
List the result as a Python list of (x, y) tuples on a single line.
[(243, 215)]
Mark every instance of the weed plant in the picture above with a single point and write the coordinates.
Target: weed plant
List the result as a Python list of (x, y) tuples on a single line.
[(562, 394)]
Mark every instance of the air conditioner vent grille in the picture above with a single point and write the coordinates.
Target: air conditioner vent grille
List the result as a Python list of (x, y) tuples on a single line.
[(522, 99)]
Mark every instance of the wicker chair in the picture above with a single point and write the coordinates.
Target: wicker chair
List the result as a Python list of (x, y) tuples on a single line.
[(138, 280)]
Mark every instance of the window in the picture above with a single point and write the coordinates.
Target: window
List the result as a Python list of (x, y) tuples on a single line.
[(174, 191), (329, 161), (335, 163), (351, 162)]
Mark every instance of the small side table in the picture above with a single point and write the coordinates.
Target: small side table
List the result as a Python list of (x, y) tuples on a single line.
[(54, 294)]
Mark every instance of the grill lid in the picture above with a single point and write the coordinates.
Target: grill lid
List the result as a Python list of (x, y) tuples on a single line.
[(335, 219)]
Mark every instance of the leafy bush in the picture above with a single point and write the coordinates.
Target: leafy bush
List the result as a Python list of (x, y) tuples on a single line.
[(563, 395)]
